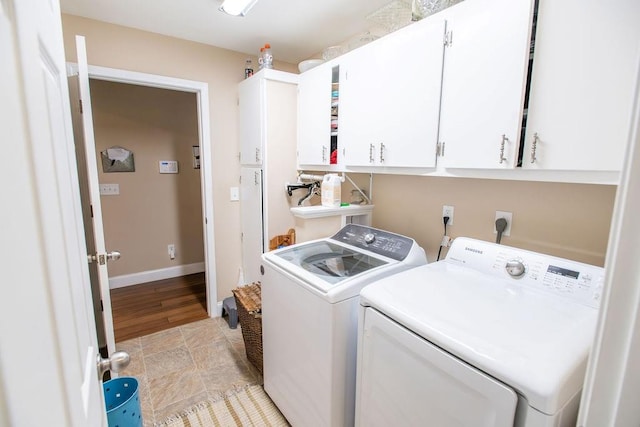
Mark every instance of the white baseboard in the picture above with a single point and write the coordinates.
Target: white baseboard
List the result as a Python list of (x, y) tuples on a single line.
[(152, 275), (218, 312)]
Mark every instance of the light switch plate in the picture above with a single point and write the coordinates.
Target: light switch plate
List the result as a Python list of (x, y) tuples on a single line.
[(109, 189), (234, 194)]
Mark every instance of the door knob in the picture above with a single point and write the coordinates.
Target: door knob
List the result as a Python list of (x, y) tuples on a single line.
[(116, 363), (111, 256)]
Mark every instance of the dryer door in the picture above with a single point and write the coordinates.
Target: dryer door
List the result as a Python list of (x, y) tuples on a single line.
[(405, 380)]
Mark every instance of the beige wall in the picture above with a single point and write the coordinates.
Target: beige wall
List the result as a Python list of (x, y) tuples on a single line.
[(560, 219), (565, 220), (152, 209), (129, 49)]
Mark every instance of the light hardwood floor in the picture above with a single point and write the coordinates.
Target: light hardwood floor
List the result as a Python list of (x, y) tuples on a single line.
[(156, 306)]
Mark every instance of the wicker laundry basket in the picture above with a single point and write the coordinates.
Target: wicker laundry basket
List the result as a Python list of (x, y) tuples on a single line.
[(249, 305)]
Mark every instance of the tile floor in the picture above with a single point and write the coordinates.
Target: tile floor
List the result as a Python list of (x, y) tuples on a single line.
[(180, 367)]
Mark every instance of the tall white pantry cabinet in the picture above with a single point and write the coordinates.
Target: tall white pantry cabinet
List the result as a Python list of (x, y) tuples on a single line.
[(267, 111)]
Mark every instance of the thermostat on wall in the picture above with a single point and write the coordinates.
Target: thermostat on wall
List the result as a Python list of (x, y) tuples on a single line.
[(168, 166)]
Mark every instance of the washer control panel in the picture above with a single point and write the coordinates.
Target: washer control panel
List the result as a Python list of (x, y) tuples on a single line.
[(515, 267), (575, 280), (384, 243)]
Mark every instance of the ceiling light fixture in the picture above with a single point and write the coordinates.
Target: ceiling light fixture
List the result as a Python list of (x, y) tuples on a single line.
[(237, 7)]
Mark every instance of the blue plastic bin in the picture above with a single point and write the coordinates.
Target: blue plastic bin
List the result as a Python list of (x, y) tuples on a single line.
[(123, 403)]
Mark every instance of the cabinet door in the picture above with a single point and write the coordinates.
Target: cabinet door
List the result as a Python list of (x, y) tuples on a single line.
[(390, 101), (314, 116), (250, 120), (484, 79), (251, 222), (584, 65)]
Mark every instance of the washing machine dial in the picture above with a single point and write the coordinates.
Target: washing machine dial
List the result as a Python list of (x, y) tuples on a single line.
[(369, 238), (515, 268)]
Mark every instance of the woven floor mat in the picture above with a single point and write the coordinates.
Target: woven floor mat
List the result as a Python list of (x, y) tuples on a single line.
[(247, 406)]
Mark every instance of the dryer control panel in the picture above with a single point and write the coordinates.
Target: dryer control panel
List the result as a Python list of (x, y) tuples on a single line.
[(575, 280)]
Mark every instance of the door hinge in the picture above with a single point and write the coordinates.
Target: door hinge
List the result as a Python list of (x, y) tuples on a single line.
[(440, 149), (91, 209), (448, 38), (80, 105), (101, 306)]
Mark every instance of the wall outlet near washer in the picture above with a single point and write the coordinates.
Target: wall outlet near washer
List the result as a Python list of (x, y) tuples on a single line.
[(448, 211), (506, 215)]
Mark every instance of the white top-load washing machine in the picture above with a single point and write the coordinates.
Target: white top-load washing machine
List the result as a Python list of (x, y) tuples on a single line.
[(310, 295), (491, 336)]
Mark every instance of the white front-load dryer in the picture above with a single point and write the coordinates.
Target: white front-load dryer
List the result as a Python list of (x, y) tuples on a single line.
[(491, 336), (310, 295)]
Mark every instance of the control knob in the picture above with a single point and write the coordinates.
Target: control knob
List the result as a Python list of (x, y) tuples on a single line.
[(515, 268), (369, 238)]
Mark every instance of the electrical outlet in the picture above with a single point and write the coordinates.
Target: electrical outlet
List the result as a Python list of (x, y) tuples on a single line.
[(171, 249), (506, 215), (448, 211)]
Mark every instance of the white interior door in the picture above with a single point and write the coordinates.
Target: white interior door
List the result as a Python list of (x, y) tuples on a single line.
[(48, 336), (94, 232)]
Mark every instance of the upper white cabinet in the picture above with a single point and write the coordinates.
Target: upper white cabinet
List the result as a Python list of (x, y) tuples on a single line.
[(251, 118), (459, 80), (390, 98), (314, 116), (584, 68), (484, 82)]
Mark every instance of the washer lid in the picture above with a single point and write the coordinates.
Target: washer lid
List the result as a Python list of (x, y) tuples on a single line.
[(333, 270), (535, 342), (331, 262)]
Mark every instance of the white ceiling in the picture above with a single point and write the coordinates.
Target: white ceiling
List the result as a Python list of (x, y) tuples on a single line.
[(296, 29)]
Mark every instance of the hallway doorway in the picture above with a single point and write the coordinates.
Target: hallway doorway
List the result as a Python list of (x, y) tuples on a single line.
[(198, 94)]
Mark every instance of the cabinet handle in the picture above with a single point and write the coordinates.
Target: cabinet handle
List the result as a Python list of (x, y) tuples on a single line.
[(324, 154), (371, 148), (257, 155), (504, 140), (534, 146), (381, 152)]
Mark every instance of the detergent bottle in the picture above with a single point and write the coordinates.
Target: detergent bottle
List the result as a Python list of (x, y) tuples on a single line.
[(331, 190)]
